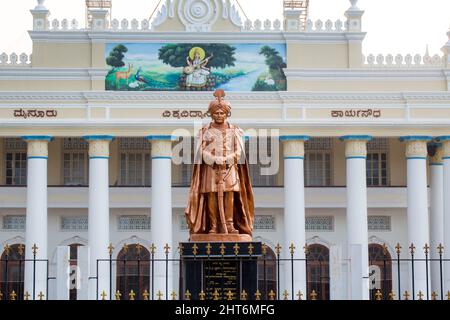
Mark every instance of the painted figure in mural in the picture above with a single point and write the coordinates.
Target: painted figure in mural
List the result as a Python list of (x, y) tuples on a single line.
[(221, 196), (196, 69)]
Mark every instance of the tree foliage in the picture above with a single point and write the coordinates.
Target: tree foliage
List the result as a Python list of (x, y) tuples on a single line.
[(116, 56), (274, 61), (175, 54)]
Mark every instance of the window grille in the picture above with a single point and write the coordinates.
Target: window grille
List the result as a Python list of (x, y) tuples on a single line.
[(74, 223), (319, 223), (379, 223), (75, 144), (16, 223), (134, 223), (264, 223)]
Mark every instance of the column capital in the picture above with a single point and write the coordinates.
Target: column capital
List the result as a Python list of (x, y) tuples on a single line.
[(435, 153), (99, 146), (445, 142), (294, 146), (356, 146), (416, 147), (37, 146)]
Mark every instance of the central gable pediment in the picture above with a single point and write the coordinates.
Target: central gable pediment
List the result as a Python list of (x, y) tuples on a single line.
[(198, 16)]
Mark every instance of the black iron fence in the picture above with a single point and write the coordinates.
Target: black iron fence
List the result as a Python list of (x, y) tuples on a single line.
[(233, 271)]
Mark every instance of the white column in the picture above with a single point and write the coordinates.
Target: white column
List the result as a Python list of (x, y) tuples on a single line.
[(446, 220), (294, 215), (437, 213), (98, 234), (36, 222), (357, 233), (63, 273), (417, 212), (161, 213)]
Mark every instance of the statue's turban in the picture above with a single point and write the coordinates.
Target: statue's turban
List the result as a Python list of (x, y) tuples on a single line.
[(219, 103)]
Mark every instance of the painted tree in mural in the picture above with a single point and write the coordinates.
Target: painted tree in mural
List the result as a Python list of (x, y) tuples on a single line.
[(276, 80), (116, 56)]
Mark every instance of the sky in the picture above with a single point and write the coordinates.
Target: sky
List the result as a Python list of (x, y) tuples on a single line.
[(392, 26)]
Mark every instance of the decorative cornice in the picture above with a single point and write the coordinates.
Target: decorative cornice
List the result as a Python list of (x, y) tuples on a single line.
[(368, 74), (268, 97), (29, 73)]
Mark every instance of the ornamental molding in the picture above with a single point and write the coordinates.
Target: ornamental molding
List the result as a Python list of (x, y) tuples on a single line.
[(198, 15), (445, 150), (130, 36), (29, 73), (201, 97), (437, 158), (368, 74)]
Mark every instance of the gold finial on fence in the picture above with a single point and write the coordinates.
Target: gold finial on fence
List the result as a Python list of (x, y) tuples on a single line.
[(412, 248), (21, 250), (250, 249), (7, 248), (271, 295), (236, 249), (244, 295), (13, 295), (195, 249), (313, 295), (257, 295), (110, 249), (152, 248), (41, 295), (174, 295), (440, 248), (385, 249), (180, 249), (378, 295), (406, 295), (159, 294), (448, 295), (434, 295), (299, 295), (166, 248), (398, 248), (208, 248), (278, 249), (286, 295), (34, 249), (187, 295), (420, 295), (222, 249), (229, 295), (26, 296), (132, 294), (146, 295), (138, 249), (125, 248), (306, 249), (103, 295), (117, 295), (391, 295), (264, 249), (1, 295), (202, 295), (426, 248), (216, 295), (292, 249)]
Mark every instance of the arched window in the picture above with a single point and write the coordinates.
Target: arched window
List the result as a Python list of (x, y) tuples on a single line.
[(73, 269), (380, 268), (133, 271), (12, 271), (267, 273), (318, 271)]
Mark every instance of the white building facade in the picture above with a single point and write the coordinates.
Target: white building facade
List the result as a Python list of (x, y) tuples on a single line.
[(87, 172)]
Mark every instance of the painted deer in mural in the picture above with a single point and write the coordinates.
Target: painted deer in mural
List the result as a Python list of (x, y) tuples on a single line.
[(123, 75)]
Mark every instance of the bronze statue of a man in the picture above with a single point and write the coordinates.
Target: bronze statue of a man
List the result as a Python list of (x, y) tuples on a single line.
[(221, 197)]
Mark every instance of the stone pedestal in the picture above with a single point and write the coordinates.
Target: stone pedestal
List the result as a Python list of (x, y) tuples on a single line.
[(217, 268)]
